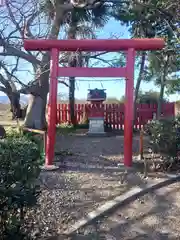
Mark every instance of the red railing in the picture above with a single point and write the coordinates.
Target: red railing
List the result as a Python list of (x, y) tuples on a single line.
[(114, 113)]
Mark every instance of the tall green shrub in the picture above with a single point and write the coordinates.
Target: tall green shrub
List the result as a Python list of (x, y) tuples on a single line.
[(19, 170), (164, 137)]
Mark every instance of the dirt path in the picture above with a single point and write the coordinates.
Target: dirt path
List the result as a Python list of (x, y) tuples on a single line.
[(96, 150), (153, 217), (89, 179)]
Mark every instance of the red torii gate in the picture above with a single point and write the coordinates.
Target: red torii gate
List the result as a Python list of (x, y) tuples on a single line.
[(113, 45)]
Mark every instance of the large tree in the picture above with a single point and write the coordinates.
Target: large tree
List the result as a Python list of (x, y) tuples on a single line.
[(162, 69), (147, 97), (82, 23), (153, 18), (8, 86), (12, 18)]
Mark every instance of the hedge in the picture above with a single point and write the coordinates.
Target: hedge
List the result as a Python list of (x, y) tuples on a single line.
[(20, 160)]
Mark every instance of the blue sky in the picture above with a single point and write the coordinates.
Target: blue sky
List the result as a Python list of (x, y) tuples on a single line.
[(114, 88)]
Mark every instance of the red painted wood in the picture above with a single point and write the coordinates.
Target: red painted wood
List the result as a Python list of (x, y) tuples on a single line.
[(96, 110), (141, 113), (110, 114), (91, 72), (86, 109), (58, 113), (150, 116), (63, 113), (108, 117), (136, 120), (113, 113), (83, 111), (168, 109), (122, 116), (114, 116), (105, 113), (68, 114), (117, 113), (75, 112), (92, 45), (111, 45), (129, 103), (79, 109), (140, 116), (52, 110)]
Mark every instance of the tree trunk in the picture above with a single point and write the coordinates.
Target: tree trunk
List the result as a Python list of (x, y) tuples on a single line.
[(163, 82), (72, 100), (141, 72), (72, 94), (160, 100), (36, 111), (14, 98), (9, 88), (73, 63)]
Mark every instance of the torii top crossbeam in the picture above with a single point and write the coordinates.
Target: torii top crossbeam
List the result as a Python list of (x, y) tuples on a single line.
[(110, 45)]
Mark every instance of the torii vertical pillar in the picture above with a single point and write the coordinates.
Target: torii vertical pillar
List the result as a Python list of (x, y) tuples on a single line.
[(52, 109), (129, 104), (113, 45)]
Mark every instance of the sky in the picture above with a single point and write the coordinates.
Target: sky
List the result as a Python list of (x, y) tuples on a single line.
[(114, 88)]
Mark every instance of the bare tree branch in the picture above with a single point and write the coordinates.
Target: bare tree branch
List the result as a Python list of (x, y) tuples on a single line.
[(10, 75), (14, 21), (3, 89), (64, 83), (3, 80), (12, 51), (29, 23)]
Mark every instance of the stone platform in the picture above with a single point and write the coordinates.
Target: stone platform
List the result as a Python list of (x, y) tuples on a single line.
[(96, 126)]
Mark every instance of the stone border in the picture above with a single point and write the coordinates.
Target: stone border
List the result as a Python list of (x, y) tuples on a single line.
[(119, 201)]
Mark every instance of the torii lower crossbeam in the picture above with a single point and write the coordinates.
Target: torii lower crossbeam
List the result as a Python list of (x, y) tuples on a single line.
[(129, 45)]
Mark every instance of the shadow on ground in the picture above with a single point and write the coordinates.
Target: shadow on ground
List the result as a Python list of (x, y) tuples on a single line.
[(154, 217), (88, 178)]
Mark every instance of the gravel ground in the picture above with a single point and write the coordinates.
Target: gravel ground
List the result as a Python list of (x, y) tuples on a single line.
[(88, 179), (153, 217)]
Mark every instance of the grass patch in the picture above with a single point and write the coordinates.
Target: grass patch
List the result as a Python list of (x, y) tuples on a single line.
[(67, 128)]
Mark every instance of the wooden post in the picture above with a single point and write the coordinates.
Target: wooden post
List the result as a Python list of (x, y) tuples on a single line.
[(52, 110), (141, 144), (128, 120)]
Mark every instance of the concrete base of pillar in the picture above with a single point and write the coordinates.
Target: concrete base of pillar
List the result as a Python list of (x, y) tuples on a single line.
[(49, 167)]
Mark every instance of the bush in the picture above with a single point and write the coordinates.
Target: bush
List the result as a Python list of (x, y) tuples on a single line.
[(13, 132), (165, 139), (34, 137), (65, 125), (82, 126), (19, 170)]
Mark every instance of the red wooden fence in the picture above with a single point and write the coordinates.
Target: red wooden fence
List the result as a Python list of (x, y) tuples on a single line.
[(114, 113)]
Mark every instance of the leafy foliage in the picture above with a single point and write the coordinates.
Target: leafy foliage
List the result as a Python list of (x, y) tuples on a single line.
[(162, 62), (148, 19), (19, 170), (148, 97), (173, 86), (165, 140)]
